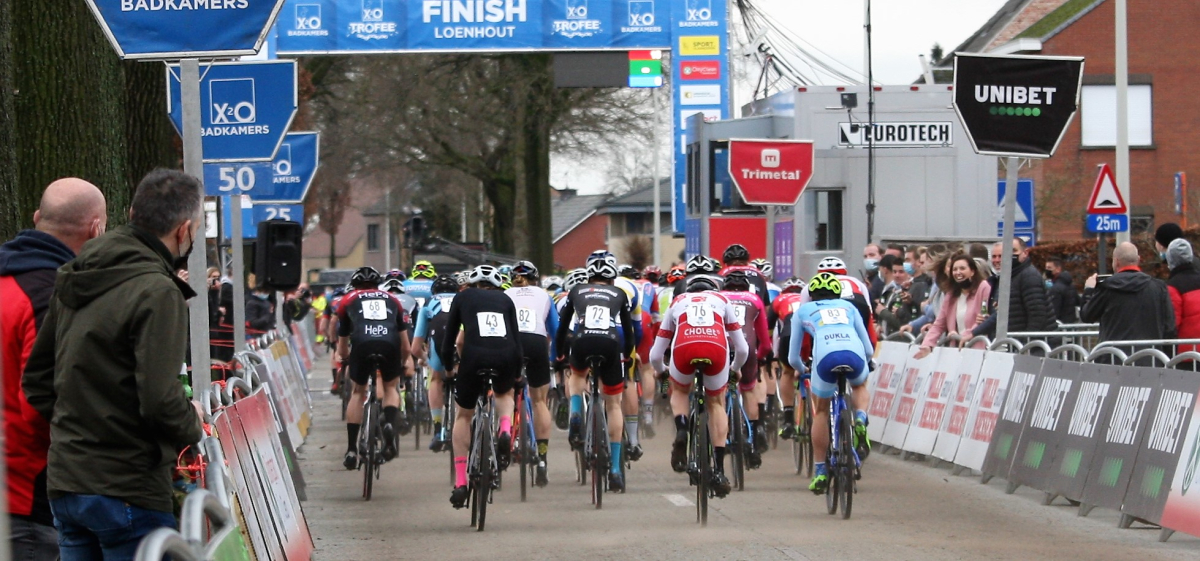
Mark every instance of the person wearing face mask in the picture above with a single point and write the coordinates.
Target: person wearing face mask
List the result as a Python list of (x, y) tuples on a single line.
[(104, 372), (1063, 298), (1028, 303), (871, 256), (72, 211), (260, 311), (966, 292)]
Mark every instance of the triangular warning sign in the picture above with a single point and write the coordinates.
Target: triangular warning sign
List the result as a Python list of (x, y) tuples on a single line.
[(1020, 213), (1106, 199)]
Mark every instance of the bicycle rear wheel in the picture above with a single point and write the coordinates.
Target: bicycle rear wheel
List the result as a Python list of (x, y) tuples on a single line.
[(737, 428), (522, 451), (599, 430), (371, 419), (845, 471), (704, 463), (831, 490), (483, 492)]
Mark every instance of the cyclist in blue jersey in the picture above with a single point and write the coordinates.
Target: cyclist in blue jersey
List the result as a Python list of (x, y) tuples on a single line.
[(420, 284), (431, 323), (831, 331)]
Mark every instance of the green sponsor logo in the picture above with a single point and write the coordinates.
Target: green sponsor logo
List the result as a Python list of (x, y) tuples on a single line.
[(1004, 446), (1111, 471), (1034, 454), (1152, 482), (1071, 461), (1000, 111)]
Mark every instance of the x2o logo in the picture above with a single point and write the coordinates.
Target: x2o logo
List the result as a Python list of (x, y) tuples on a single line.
[(372, 10), (641, 13), (232, 101), (699, 10), (577, 9), (308, 16)]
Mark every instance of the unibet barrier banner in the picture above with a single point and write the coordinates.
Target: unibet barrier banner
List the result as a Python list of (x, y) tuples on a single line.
[(1007, 434), (347, 26), (931, 407), (985, 410), (1182, 511), (1116, 452), (1162, 441), (916, 373), (1094, 399), (1045, 426), (883, 383), (962, 395)]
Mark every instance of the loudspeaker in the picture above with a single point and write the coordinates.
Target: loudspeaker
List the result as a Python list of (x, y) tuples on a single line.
[(277, 262)]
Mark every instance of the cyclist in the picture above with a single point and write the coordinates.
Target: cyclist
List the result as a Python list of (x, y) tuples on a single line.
[(420, 282), (605, 329), (781, 313), (768, 272), (325, 326), (700, 265), (431, 325), (627, 280), (753, 319), (853, 290), (737, 258), (700, 326), (488, 320), (371, 324), (766, 390), (536, 320), (830, 331), (650, 320)]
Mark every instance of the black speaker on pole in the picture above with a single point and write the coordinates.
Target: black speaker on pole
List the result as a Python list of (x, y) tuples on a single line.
[(277, 260)]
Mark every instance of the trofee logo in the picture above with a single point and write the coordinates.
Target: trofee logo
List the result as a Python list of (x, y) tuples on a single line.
[(372, 10), (308, 16), (770, 158), (232, 101), (699, 10), (641, 13)]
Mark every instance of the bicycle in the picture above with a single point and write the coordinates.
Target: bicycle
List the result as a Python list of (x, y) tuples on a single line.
[(451, 408), (483, 467), (594, 454), (525, 439), (844, 465), (700, 453), (771, 420), (802, 446), (738, 442), (419, 414), (370, 434), (344, 388)]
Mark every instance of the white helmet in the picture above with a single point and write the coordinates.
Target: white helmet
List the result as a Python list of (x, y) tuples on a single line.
[(605, 268), (703, 264), (486, 273), (575, 278), (552, 280), (765, 267), (395, 286), (831, 264)]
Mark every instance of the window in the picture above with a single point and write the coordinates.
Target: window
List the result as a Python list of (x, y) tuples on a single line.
[(823, 213), (636, 223), (372, 237), (1098, 109)]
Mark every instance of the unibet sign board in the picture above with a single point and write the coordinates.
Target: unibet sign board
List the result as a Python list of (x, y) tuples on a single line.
[(1016, 105), (176, 29)]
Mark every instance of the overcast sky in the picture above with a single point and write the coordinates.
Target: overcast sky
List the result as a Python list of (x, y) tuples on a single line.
[(902, 29)]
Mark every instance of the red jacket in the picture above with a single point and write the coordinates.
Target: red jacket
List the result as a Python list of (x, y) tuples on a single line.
[(1184, 288), (28, 267)]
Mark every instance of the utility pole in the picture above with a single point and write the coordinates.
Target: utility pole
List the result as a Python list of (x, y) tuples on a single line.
[(1122, 71), (870, 128)]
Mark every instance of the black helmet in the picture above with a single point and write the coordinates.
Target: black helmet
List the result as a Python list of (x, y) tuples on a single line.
[(735, 252), (444, 284), (737, 280), (701, 283), (366, 277)]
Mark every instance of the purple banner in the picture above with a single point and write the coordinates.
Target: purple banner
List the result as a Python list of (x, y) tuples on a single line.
[(784, 249)]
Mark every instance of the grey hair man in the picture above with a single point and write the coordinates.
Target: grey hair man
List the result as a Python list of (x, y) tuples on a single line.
[(1130, 305)]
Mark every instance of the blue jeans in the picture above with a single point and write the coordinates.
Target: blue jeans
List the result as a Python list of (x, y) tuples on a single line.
[(96, 527)]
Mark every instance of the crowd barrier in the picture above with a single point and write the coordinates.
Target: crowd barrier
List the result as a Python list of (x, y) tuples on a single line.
[(248, 506), (1115, 435)]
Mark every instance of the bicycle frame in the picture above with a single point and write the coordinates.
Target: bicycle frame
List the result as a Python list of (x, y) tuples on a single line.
[(596, 436)]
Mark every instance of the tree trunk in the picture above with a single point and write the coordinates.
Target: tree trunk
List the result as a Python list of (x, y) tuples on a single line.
[(10, 210), (501, 195), (332, 251), (537, 168), (70, 96), (148, 129)]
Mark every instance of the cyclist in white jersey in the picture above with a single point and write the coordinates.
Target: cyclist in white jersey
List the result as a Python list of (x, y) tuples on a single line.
[(537, 319), (629, 403)]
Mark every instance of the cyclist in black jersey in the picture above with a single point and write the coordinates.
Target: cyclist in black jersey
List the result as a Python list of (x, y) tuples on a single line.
[(372, 333), (605, 330), (488, 321)]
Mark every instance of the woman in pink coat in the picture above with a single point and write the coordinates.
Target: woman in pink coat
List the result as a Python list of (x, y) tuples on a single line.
[(966, 293)]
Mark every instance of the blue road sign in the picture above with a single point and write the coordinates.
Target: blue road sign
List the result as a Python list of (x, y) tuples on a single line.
[(1026, 215), (175, 29), (284, 180), (253, 214), (245, 108), (249, 224), (1107, 223)]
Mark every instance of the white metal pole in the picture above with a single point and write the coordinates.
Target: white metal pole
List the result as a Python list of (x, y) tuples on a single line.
[(656, 148), (463, 236), (1010, 215), (193, 164), (239, 273), (1122, 76)]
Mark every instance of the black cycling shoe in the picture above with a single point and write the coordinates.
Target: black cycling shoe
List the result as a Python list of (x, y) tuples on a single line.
[(616, 482), (720, 485), (458, 497), (504, 450), (562, 415), (575, 435), (389, 442), (541, 480), (760, 440), (679, 453), (351, 460), (754, 459), (634, 452), (403, 425), (788, 431)]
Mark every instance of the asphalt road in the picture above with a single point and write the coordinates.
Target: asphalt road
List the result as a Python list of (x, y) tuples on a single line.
[(904, 510)]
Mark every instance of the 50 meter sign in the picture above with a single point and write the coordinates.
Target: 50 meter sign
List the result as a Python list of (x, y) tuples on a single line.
[(284, 180)]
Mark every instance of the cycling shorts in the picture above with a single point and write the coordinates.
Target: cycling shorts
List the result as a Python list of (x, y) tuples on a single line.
[(785, 347), (537, 359), (643, 348), (824, 384), (468, 383), (360, 362), (749, 377), (610, 371), (716, 376), (434, 359)]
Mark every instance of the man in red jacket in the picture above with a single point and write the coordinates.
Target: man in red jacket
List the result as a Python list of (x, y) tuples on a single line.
[(72, 211)]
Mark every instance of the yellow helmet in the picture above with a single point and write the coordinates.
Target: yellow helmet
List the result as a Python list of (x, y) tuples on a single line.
[(423, 269), (825, 282)]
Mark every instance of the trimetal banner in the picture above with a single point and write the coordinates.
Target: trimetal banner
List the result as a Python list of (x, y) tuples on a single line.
[(342, 26), (930, 413), (916, 374), (883, 386)]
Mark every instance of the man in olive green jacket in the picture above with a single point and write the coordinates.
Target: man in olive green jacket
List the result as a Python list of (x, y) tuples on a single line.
[(105, 373)]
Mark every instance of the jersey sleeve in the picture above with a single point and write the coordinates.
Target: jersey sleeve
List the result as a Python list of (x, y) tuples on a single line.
[(345, 325), (666, 329), (860, 326), (422, 329), (552, 326), (730, 315)]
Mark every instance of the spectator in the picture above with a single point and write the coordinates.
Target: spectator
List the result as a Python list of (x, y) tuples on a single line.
[(260, 313), (1130, 305), (105, 373), (1184, 288), (72, 211), (896, 250), (1163, 237), (1028, 304), (1064, 301), (296, 308), (871, 256), (965, 295), (940, 268), (890, 293), (905, 305)]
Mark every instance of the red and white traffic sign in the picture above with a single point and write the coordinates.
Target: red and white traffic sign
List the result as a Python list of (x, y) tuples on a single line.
[(1106, 198), (771, 172)]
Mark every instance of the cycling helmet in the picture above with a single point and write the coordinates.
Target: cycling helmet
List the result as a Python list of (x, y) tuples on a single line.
[(735, 252), (652, 273), (339, 292), (486, 273), (575, 278), (462, 277), (395, 286), (765, 267), (505, 270), (832, 265), (425, 269), (395, 274), (605, 268), (365, 277), (525, 269), (824, 286), (552, 281), (676, 274), (737, 280), (701, 283), (599, 254), (506, 281), (629, 272), (702, 264), (793, 285), (444, 284)]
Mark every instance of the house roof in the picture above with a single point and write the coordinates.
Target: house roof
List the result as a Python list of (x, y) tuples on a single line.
[(1015, 21), (569, 212), (640, 200), (983, 36), (1059, 19)]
